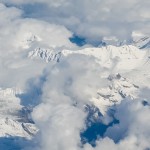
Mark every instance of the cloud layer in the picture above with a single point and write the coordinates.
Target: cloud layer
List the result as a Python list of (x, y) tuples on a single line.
[(93, 20), (70, 85), (20, 35)]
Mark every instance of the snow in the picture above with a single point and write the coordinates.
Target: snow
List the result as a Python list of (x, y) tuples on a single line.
[(118, 89), (9, 127), (45, 54), (140, 40), (121, 82), (10, 116), (125, 57), (120, 59)]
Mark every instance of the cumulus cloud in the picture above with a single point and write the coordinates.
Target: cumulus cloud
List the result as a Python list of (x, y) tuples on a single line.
[(20, 35), (133, 130), (93, 20), (61, 116), (59, 125), (17, 31), (69, 86)]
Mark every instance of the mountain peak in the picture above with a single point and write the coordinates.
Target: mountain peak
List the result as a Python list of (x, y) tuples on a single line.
[(141, 40)]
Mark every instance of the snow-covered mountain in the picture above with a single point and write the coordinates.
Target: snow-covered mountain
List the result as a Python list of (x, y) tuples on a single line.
[(12, 121), (140, 40), (119, 60), (119, 88), (126, 57), (46, 54)]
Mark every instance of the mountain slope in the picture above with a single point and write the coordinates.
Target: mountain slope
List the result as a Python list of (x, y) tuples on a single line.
[(128, 68), (12, 122)]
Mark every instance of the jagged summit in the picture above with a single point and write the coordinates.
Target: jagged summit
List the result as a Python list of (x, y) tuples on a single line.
[(45, 54), (140, 40), (119, 88)]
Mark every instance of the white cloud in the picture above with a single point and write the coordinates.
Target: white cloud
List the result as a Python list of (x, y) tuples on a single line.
[(17, 30), (60, 117), (73, 82), (95, 19), (132, 132), (8, 15), (17, 39)]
